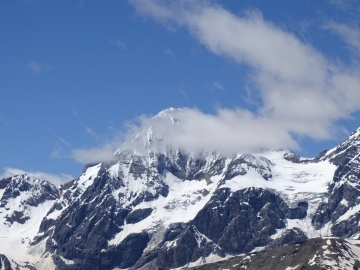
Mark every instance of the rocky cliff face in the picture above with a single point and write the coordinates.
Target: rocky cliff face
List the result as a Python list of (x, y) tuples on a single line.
[(167, 209), (339, 211), (21, 193), (172, 209), (314, 254), (24, 202)]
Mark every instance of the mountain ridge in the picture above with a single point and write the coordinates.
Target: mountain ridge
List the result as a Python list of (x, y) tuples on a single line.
[(170, 208)]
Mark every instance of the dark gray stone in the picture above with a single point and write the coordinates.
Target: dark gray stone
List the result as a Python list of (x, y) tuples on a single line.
[(138, 215)]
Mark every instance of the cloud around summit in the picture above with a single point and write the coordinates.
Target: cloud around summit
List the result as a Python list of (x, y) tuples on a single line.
[(301, 92)]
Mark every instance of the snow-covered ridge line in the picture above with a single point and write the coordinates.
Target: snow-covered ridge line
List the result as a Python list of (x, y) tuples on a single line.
[(145, 206), (24, 202)]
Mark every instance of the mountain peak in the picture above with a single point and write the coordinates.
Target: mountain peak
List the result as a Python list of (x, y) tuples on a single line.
[(168, 111), (150, 137), (355, 135), (344, 150), (187, 207)]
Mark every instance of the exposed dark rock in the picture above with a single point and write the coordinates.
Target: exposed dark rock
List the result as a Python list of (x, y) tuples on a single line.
[(5, 263), (89, 215), (230, 223), (4, 182), (300, 212), (17, 217), (291, 156), (138, 215), (307, 255), (288, 237), (242, 164)]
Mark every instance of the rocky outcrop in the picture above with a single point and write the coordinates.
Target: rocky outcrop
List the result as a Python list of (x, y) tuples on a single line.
[(340, 208), (168, 209), (314, 254), (5, 263), (230, 223)]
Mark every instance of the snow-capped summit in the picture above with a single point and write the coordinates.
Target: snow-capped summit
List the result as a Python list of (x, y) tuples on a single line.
[(150, 137), (169, 113), (348, 148), (24, 201), (26, 191), (159, 206)]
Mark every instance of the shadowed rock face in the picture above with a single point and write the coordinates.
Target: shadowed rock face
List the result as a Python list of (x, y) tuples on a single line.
[(343, 195), (4, 263), (314, 254), (231, 223), (168, 210), (37, 191), (21, 192), (138, 215), (95, 209)]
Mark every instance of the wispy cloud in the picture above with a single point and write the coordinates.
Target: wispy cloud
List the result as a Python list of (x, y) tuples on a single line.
[(183, 93), (61, 149), (168, 52), (346, 5), (218, 86), (56, 179), (295, 90), (119, 44), (103, 152), (301, 91), (350, 35), (82, 4), (91, 132), (34, 68)]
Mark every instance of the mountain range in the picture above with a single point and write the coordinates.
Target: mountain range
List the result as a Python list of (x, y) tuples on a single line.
[(156, 206)]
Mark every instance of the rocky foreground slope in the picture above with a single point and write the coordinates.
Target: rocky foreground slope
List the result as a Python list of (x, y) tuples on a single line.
[(313, 254), (169, 209)]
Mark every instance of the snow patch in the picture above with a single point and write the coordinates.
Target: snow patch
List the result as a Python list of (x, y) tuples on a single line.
[(184, 201), (352, 211)]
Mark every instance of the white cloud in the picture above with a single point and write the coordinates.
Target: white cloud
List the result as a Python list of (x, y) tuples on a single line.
[(102, 153), (56, 179), (301, 92), (227, 131), (298, 91)]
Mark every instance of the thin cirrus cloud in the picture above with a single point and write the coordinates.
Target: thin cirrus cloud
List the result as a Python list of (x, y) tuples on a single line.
[(218, 86), (119, 44), (34, 68), (351, 36)]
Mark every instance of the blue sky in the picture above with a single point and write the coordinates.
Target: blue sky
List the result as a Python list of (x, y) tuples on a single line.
[(76, 74)]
